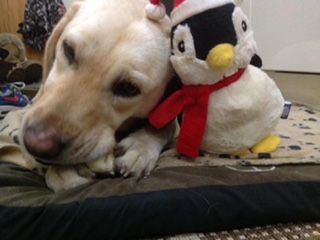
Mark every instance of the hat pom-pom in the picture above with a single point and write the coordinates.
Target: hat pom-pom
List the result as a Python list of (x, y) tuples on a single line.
[(155, 11)]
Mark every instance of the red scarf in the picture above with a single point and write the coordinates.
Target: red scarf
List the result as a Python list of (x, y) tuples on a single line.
[(193, 101)]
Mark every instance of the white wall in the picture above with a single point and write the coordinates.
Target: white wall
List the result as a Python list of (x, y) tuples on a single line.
[(287, 33)]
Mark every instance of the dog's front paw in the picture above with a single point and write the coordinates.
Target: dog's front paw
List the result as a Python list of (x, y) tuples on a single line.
[(59, 178), (137, 156)]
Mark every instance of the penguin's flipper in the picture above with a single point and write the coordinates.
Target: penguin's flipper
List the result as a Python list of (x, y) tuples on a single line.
[(256, 61), (268, 145)]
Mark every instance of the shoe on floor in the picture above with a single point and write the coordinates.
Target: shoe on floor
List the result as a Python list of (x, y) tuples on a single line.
[(33, 72), (11, 72), (11, 98)]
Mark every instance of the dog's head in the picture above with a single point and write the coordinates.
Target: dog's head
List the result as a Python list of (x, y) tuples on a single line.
[(105, 63)]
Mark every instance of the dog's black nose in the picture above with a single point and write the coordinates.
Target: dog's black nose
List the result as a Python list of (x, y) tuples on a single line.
[(43, 141)]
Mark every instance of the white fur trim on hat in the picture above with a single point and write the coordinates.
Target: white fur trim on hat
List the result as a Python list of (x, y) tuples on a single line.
[(190, 8), (155, 12)]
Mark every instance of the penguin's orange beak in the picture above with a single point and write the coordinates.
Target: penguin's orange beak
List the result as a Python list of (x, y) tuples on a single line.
[(221, 57)]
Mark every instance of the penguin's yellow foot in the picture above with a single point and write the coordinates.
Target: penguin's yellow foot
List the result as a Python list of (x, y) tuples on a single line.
[(267, 145)]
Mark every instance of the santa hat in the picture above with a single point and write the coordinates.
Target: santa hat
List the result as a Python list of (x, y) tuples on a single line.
[(155, 10), (184, 9)]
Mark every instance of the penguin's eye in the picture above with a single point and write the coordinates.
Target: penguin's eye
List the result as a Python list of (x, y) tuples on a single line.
[(182, 41), (181, 46), (244, 26)]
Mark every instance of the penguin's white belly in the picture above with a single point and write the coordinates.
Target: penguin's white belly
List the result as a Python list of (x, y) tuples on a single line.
[(242, 114)]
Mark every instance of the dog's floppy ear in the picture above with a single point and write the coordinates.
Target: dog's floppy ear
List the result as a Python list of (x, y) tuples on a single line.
[(50, 49)]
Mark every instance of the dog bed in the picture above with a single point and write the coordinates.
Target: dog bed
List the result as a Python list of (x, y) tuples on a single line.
[(211, 194)]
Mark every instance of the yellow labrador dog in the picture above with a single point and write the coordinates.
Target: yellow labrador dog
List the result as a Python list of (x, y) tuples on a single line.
[(106, 66)]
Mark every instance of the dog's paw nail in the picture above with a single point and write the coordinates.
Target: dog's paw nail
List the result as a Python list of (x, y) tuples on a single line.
[(122, 171)]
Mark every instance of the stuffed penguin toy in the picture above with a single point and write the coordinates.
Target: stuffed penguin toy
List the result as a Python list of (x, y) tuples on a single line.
[(228, 105)]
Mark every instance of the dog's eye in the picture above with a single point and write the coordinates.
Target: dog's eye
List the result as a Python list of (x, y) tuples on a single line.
[(69, 52), (125, 88)]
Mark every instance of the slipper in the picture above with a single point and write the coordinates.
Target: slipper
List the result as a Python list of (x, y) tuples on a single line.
[(33, 72), (11, 72)]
